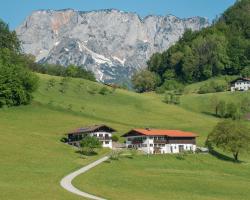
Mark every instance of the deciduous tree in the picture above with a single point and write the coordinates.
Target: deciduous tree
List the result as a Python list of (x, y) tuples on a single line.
[(230, 136), (90, 144)]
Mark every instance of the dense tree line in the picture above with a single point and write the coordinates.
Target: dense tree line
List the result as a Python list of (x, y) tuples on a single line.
[(221, 49), (59, 70), (17, 82)]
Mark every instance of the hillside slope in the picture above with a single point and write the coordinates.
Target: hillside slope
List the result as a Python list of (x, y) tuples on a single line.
[(119, 108), (33, 160)]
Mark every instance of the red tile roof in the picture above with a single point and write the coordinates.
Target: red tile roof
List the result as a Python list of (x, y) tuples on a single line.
[(169, 133)]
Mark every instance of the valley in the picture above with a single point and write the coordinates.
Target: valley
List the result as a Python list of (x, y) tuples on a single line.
[(34, 160)]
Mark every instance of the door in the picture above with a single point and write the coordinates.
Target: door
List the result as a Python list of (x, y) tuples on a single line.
[(181, 148)]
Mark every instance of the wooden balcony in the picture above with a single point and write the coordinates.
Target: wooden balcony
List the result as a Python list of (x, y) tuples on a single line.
[(160, 141), (104, 138), (137, 142)]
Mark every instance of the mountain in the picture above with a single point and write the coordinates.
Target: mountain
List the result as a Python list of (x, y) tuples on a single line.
[(111, 43)]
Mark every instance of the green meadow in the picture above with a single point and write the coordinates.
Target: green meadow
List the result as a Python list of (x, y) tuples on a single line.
[(33, 160), (191, 177)]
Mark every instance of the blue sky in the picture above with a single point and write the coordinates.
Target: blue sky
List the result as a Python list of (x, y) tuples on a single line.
[(15, 11)]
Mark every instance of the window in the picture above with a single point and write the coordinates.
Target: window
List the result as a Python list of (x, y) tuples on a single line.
[(100, 135), (151, 145), (181, 148), (106, 135), (106, 142)]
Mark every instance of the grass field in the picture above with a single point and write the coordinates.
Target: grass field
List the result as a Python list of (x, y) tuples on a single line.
[(194, 177), (33, 160), (202, 103)]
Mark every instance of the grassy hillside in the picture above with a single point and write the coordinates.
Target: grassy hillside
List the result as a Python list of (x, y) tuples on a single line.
[(194, 87), (194, 177), (33, 160), (120, 108), (202, 103)]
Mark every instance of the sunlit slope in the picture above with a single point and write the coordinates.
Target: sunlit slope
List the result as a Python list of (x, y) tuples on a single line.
[(120, 108), (33, 160)]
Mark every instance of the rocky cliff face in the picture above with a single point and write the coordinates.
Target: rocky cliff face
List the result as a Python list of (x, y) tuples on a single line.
[(111, 43)]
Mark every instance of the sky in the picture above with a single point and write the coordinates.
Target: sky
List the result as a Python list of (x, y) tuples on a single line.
[(14, 12)]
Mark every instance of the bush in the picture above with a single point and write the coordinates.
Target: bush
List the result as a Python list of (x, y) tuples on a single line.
[(115, 155), (170, 85), (64, 84), (92, 91), (212, 87), (90, 144), (233, 111), (246, 72), (51, 83), (59, 70), (221, 110), (171, 98), (64, 139), (104, 91), (145, 81), (115, 138)]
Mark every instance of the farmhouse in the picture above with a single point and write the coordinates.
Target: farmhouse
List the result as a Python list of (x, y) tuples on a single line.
[(153, 141), (240, 84), (102, 132)]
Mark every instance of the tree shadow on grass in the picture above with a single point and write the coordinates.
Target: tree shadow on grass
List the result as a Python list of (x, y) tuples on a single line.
[(210, 114), (223, 157), (86, 153)]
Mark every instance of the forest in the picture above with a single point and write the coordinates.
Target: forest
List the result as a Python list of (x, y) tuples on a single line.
[(221, 49)]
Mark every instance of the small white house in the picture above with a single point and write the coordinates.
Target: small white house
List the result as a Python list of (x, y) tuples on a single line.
[(153, 141), (240, 84), (102, 132)]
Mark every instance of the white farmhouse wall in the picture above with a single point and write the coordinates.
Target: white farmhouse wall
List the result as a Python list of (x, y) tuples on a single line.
[(148, 145), (241, 85), (105, 143)]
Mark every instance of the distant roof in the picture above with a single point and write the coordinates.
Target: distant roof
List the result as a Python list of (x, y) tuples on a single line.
[(243, 79), (158, 132), (93, 128)]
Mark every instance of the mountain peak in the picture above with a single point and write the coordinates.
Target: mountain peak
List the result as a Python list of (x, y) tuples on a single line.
[(111, 43)]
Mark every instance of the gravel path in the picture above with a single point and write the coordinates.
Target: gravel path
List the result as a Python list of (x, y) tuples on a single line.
[(66, 182)]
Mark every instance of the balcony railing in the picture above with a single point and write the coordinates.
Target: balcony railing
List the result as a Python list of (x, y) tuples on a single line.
[(136, 141), (104, 138), (160, 141)]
